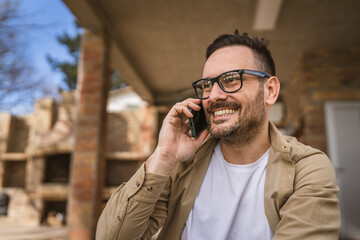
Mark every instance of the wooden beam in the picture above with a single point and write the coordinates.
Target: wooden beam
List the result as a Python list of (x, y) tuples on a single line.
[(266, 15), (126, 70), (84, 13), (92, 16)]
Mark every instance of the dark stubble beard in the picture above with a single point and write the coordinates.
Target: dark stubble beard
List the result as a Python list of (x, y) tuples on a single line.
[(248, 126)]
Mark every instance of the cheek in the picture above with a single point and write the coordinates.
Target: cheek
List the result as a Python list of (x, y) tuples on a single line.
[(247, 106), (205, 104)]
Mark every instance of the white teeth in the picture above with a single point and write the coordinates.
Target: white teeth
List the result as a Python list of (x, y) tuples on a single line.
[(224, 112)]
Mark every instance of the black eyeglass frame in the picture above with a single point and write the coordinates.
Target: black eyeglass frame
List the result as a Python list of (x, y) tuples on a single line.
[(240, 71)]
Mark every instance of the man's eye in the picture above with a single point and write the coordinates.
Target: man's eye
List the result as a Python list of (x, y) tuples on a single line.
[(206, 84), (230, 79)]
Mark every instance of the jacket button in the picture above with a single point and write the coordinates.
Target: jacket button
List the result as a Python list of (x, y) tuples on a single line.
[(149, 189), (118, 218), (137, 184)]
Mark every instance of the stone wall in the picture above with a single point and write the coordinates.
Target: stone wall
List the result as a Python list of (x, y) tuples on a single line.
[(30, 144), (44, 118), (320, 76), (5, 124), (132, 130), (14, 174), (117, 131), (21, 208), (118, 172), (19, 133)]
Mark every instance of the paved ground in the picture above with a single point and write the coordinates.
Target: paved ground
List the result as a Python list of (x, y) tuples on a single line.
[(15, 232)]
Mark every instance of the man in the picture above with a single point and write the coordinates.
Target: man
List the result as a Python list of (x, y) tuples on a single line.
[(243, 181)]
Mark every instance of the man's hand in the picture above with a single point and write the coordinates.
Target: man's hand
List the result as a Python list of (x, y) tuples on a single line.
[(175, 145)]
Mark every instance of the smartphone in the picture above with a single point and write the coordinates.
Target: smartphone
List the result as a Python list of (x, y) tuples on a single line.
[(198, 123)]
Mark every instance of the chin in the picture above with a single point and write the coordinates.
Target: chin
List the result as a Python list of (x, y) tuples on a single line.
[(220, 130)]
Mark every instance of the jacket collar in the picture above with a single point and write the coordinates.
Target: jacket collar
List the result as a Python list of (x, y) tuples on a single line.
[(279, 147), (277, 140)]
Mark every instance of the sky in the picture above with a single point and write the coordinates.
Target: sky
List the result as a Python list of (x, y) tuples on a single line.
[(37, 24), (40, 22), (47, 19)]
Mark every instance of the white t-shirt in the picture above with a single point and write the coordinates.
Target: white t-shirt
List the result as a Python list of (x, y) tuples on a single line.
[(230, 202)]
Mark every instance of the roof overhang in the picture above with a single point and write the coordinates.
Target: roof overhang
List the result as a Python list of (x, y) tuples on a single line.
[(158, 46)]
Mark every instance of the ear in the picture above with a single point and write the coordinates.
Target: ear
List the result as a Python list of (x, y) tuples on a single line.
[(272, 89)]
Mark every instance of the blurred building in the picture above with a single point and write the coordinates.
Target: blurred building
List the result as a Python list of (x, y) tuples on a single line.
[(36, 153)]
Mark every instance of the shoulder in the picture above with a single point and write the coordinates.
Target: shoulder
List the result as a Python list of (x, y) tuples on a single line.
[(311, 164), (298, 151), (290, 148)]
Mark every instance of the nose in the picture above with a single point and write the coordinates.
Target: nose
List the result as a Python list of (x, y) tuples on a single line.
[(217, 94)]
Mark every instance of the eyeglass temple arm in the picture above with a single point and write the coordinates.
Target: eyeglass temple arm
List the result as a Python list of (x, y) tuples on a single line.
[(257, 73)]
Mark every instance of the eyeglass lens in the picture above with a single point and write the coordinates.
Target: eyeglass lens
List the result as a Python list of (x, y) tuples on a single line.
[(229, 82)]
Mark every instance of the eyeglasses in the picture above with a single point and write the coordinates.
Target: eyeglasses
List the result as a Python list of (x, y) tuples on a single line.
[(229, 82)]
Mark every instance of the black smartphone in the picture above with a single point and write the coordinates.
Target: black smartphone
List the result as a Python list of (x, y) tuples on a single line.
[(198, 123)]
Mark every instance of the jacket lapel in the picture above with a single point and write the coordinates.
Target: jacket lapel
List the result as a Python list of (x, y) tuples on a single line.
[(280, 172)]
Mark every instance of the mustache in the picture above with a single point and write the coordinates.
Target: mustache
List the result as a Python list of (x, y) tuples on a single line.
[(217, 105)]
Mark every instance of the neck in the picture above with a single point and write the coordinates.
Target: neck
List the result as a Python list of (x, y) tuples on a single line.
[(246, 153)]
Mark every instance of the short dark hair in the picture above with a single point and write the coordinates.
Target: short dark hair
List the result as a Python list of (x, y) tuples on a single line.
[(258, 47)]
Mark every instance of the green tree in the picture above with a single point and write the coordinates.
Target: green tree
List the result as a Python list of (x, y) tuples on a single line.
[(68, 68), (116, 81)]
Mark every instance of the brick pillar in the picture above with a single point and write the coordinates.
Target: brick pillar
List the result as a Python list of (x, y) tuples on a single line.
[(88, 160)]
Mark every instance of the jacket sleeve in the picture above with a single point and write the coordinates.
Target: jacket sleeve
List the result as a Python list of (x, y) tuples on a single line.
[(136, 209), (312, 211)]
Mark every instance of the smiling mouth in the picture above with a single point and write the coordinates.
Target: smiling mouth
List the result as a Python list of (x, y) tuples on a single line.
[(224, 112)]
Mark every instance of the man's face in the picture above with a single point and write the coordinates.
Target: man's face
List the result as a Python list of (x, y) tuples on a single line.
[(234, 117)]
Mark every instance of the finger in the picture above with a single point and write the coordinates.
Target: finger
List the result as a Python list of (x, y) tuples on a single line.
[(194, 106), (186, 125), (183, 110), (202, 137), (194, 100), (183, 107), (189, 102)]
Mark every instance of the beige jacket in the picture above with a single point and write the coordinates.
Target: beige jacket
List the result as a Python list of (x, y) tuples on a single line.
[(300, 196)]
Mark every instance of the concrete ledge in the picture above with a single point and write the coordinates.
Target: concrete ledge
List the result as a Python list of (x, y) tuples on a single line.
[(13, 157), (52, 191)]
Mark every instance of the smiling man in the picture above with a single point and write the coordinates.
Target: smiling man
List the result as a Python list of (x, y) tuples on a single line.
[(241, 178)]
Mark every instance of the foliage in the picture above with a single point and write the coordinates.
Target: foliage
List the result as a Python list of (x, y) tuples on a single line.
[(116, 81), (68, 68)]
